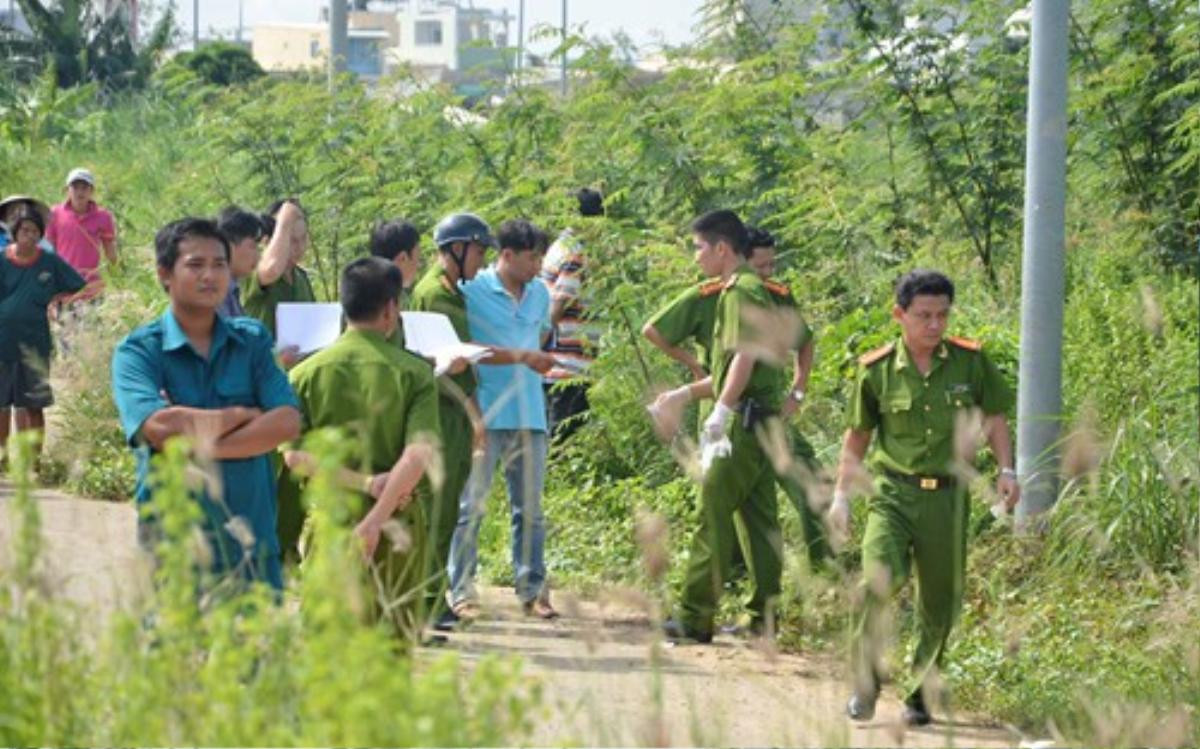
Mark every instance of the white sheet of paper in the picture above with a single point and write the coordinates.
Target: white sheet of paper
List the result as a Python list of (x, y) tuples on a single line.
[(307, 325), (430, 334)]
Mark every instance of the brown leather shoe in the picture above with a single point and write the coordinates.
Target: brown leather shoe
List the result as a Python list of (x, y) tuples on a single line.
[(539, 607)]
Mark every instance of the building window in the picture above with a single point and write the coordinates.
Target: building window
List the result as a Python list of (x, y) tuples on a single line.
[(428, 33), (363, 57), (314, 48)]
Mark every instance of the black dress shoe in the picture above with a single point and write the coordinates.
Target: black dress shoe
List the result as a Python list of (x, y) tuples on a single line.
[(446, 622), (915, 712), (677, 632), (861, 706)]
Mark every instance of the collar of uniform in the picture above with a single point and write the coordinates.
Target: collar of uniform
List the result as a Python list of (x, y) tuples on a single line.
[(439, 272), (741, 270), (364, 334), (174, 338), (903, 358)]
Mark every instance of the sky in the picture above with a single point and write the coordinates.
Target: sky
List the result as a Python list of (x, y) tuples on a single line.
[(646, 21)]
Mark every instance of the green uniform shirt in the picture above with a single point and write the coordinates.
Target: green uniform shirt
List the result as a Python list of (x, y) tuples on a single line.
[(692, 314), (435, 293), (782, 296), (733, 332), (914, 414), (260, 301), (383, 397)]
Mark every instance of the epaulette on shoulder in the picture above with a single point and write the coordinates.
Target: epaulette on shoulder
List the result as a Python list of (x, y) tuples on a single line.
[(871, 357), (777, 288), (708, 288), (965, 343)]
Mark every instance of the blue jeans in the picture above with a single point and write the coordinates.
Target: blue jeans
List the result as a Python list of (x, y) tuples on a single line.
[(522, 452)]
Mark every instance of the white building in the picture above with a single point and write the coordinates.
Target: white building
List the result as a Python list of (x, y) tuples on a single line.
[(441, 39)]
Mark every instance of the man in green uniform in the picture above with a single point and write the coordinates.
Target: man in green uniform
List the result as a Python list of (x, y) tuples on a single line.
[(399, 242), (279, 277), (386, 401), (915, 393), (462, 240), (738, 477), (692, 315)]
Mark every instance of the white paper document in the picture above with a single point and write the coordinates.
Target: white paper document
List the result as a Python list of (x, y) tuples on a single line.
[(307, 325), (431, 335)]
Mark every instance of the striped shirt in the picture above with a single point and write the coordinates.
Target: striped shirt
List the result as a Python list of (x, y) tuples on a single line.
[(574, 340)]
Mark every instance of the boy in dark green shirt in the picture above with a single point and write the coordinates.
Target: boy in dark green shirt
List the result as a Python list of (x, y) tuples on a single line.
[(30, 280)]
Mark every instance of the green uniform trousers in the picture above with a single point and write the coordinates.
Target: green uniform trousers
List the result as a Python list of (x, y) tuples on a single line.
[(816, 545), (909, 526), (741, 485), (395, 577), (812, 528), (442, 514), (289, 522)]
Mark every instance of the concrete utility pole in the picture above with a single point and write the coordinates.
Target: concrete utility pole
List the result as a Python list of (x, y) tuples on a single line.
[(338, 39), (564, 57), (1039, 396), (195, 24), (520, 36), (240, 16)]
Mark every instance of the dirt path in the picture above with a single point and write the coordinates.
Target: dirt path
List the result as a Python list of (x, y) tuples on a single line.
[(595, 664)]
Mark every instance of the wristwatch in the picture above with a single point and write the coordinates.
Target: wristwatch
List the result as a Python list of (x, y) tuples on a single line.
[(1010, 473), (797, 395)]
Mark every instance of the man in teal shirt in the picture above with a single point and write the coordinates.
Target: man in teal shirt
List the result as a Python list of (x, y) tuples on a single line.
[(194, 373)]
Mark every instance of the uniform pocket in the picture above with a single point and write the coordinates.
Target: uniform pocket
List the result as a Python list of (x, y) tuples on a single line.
[(959, 395)]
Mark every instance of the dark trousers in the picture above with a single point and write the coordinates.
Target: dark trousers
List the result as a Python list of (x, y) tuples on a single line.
[(564, 405)]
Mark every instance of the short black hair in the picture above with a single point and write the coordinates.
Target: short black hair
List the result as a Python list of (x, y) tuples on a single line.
[(166, 241), (759, 237), (922, 282), (368, 284), (717, 225), (518, 235), (32, 216), (591, 202), (238, 224), (390, 238)]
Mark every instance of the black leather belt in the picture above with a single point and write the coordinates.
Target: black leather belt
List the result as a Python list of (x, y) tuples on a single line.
[(930, 483)]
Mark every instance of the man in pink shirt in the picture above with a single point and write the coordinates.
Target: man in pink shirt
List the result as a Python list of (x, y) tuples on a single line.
[(79, 229)]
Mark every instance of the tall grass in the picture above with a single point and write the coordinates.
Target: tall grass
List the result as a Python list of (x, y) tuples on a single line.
[(232, 670)]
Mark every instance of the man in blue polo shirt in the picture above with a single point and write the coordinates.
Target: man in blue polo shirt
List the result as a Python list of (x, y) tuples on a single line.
[(213, 379), (509, 311)]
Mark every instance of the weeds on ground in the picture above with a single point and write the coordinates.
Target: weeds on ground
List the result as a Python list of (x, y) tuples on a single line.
[(229, 670)]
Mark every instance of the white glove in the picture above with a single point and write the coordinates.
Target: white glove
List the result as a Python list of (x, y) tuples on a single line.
[(713, 442), (714, 425), (839, 515)]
